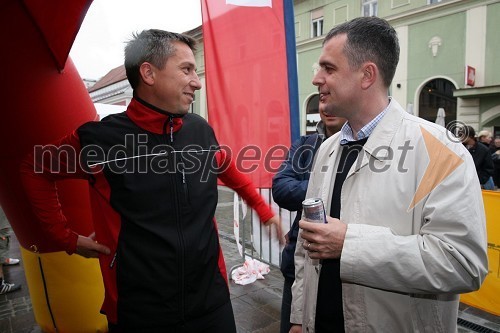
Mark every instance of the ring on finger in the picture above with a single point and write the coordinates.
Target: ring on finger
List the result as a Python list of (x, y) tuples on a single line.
[(308, 245)]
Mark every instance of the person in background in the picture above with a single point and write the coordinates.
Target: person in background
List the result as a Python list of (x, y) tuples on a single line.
[(481, 156), (485, 138), (405, 232), (5, 232), (495, 155), (495, 145), (289, 190), (153, 173)]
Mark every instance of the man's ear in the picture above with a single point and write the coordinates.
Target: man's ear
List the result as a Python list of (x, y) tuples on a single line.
[(370, 75), (146, 71)]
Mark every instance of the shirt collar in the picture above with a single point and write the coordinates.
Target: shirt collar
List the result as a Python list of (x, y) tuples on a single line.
[(346, 134), (152, 118)]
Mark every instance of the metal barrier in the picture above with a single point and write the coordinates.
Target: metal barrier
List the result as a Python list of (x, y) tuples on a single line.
[(259, 241)]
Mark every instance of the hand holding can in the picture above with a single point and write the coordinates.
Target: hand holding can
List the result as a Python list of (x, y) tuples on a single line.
[(313, 210)]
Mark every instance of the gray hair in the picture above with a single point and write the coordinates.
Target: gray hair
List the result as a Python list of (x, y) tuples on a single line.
[(153, 46)]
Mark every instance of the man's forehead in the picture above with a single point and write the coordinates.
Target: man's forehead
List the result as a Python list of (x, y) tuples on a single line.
[(335, 42), (183, 54), (332, 48)]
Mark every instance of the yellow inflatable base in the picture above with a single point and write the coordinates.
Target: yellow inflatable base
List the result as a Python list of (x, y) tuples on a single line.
[(487, 298), (66, 292)]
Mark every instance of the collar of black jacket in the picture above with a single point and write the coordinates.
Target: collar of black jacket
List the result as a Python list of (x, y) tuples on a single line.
[(152, 118)]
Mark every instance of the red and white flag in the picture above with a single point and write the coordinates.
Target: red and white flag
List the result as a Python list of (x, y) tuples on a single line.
[(251, 3), (251, 81)]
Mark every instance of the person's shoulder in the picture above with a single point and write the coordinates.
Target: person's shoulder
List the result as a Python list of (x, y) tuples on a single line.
[(335, 138), (195, 118), (306, 139), (423, 126), (420, 131), (482, 148), (106, 121), (114, 117), (329, 145), (115, 123), (197, 125)]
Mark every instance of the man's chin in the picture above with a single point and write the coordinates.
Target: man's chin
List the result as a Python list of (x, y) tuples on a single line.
[(327, 109), (182, 112)]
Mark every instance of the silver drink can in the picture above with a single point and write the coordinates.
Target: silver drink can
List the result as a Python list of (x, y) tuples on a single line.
[(313, 210)]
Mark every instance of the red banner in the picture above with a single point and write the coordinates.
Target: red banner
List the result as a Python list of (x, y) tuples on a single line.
[(247, 81)]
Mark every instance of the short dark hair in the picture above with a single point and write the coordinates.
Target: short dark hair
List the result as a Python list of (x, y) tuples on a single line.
[(154, 46), (370, 39), (466, 131)]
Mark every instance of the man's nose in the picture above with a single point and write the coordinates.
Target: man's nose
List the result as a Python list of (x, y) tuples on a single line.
[(195, 82), (318, 79)]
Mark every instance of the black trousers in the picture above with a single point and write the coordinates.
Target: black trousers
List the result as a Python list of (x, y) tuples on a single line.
[(286, 306), (218, 321)]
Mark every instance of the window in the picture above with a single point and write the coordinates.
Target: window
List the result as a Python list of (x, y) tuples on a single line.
[(369, 7), (317, 23), (312, 114), (317, 27), (436, 94), (433, 1)]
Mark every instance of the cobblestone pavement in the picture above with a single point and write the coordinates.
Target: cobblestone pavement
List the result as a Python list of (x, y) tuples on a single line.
[(16, 312), (256, 306)]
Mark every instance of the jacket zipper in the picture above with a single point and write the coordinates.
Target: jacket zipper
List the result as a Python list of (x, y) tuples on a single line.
[(184, 184), (112, 263), (170, 122)]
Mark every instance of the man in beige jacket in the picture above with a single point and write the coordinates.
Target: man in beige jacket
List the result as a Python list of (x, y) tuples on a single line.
[(406, 232)]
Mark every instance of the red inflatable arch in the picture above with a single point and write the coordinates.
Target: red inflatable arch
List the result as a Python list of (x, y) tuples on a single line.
[(43, 99)]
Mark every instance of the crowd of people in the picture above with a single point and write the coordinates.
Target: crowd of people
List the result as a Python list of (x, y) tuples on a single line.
[(391, 256), (486, 155), (493, 144)]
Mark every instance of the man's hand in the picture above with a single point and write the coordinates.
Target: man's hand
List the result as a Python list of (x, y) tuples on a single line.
[(295, 329), (87, 247), (323, 240), (277, 224)]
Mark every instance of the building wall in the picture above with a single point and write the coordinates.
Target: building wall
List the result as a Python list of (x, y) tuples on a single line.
[(307, 57), (468, 34), (448, 62), (393, 7), (302, 11), (492, 52), (490, 111), (200, 99)]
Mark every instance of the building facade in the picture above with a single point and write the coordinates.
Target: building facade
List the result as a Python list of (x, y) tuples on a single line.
[(439, 41), (450, 57)]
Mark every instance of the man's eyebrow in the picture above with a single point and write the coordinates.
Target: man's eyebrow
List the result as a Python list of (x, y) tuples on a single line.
[(188, 64), (325, 63)]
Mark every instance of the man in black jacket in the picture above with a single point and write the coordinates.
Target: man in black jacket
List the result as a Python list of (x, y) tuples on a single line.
[(153, 173), (480, 154)]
